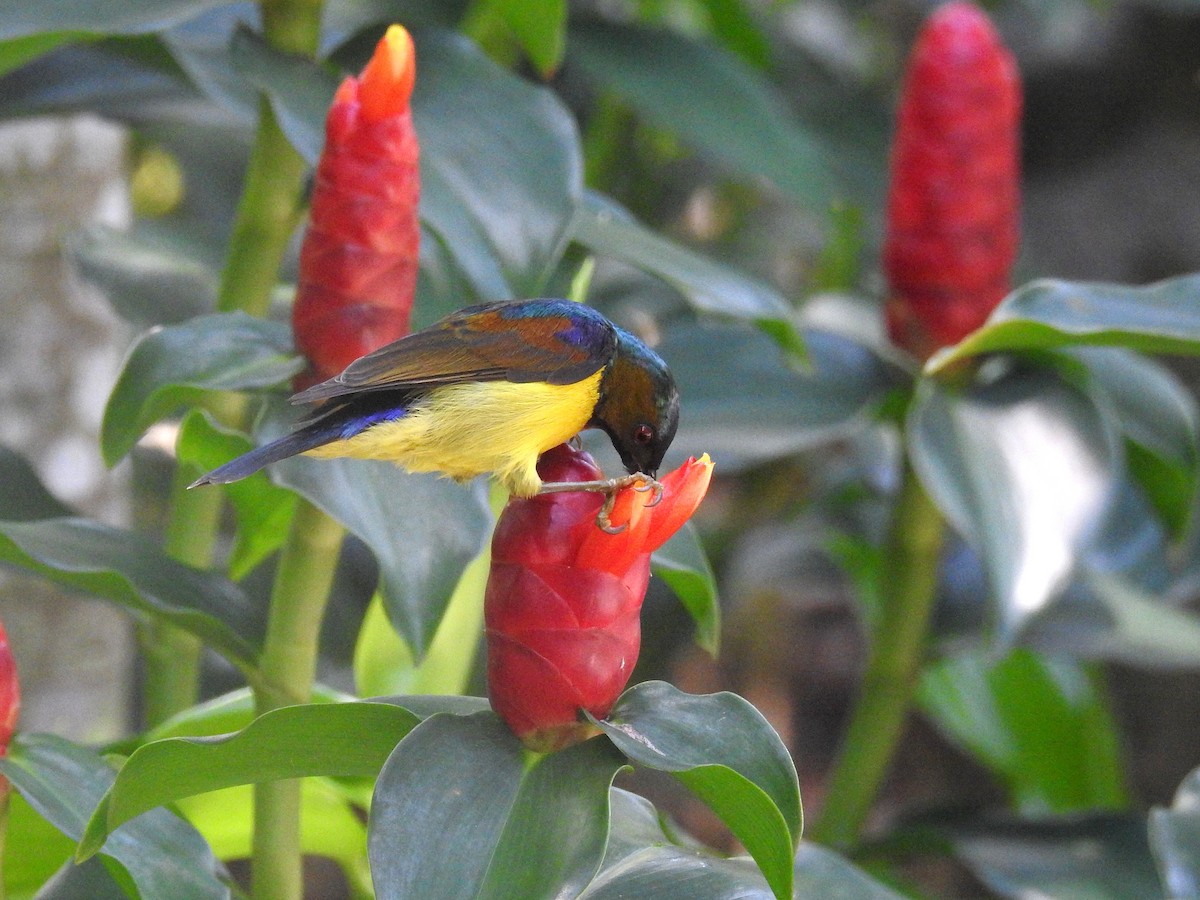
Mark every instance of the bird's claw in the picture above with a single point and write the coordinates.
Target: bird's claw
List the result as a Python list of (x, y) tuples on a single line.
[(610, 487)]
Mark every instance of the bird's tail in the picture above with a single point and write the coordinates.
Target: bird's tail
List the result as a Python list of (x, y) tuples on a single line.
[(249, 463)]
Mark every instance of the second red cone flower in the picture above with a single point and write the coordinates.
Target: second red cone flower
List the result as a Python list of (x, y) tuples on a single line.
[(358, 262), (954, 201), (564, 597)]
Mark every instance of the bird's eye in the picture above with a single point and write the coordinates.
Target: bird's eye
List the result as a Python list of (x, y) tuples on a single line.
[(643, 434)]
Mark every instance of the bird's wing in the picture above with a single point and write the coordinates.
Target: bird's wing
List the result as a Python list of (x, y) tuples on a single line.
[(553, 341)]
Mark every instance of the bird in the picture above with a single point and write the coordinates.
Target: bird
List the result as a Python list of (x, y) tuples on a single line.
[(488, 389)]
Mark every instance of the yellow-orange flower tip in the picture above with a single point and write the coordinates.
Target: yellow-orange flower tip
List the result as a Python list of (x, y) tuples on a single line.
[(386, 83)]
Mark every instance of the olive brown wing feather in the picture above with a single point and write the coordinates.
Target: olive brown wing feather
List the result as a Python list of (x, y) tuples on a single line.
[(474, 345)]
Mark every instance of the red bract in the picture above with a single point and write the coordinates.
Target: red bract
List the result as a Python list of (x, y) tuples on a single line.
[(563, 597), (358, 262), (954, 202), (10, 695)]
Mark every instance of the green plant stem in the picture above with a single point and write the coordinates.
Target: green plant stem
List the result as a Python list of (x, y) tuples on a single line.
[(287, 668), (909, 584)]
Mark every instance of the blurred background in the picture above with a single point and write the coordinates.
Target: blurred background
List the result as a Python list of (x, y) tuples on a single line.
[(1111, 162)]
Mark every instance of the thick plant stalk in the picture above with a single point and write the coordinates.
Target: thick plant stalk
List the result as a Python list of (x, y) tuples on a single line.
[(908, 589), (288, 666)]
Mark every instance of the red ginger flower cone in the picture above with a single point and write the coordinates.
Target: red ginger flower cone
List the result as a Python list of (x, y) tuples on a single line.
[(359, 259), (564, 597), (954, 199), (10, 701)]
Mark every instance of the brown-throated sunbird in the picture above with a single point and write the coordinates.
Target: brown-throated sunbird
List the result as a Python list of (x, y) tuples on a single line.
[(489, 389)]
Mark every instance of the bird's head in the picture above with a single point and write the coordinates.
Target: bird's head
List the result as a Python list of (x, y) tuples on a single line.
[(638, 406)]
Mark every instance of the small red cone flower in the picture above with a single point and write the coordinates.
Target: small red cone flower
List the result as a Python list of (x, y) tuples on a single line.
[(358, 262), (954, 199), (10, 701), (564, 597)]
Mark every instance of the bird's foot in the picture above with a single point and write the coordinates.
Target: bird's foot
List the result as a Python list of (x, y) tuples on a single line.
[(610, 487)]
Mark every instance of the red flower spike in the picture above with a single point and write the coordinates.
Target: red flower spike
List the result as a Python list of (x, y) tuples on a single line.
[(358, 262), (10, 698), (564, 597), (954, 199)]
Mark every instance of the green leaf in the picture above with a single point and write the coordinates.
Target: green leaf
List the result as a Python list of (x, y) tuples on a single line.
[(607, 229), (33, 849), (822, 873), (262, 509), (146, 280), (540, 27), (1160, 318), (787, 411), (711, 99), (1025, 467), (329, 825), (516, 828), (1157, 414), (22, 17), (162, 854), (1130, 626), (169, 368), (683, 565), (422, 529), (292, 742), (726, 753), (1175, 840), (642, 860), (16, 52), (23, 497), (90, 879), (128, 569), (1100, 858), (1038, 723)]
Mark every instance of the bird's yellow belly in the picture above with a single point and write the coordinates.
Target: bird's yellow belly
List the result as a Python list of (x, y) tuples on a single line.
[(464, 430)]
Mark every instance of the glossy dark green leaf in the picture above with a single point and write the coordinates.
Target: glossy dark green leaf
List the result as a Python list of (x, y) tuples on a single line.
[(745, 404), (1175, 840), (711, 99), (821, 872), (724, 751), (33, 849), (131, 571), (504, 215), (1025, 467), (642, 860), (459, 811), (540, 27), (147, 282), (15, 52), (684, 566), (171, 367), (23, 497), (292, 742), (1039, 723), (1159, 318), (89, 879), (22, 17), (263, 510), (606, 229), (1100, 858), (1158, 415), (423, 530), (163, 855)]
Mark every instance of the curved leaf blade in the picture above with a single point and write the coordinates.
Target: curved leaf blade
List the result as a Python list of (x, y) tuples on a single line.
[(173, 366), (683, 565), (131, 571), (1159, 318), (462, 782), (1175, 839), (23, 497), (723, 750), (25, 17), (166, 858), (711, 99), (291, 742), (1026, 468)]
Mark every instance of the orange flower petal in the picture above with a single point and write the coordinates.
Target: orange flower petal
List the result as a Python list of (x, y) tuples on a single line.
[(683, 489), (386, 83)]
